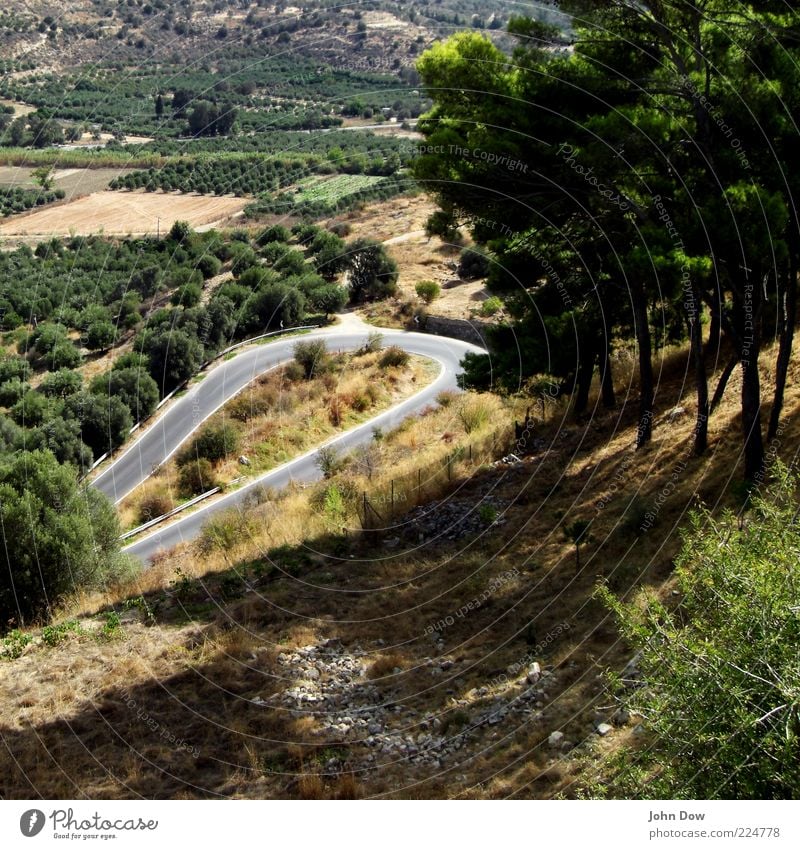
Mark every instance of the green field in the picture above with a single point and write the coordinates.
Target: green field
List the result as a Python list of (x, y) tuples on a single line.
[(330, 190)]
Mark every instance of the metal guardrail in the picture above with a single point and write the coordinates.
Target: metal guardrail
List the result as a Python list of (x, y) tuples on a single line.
[(179, 509), (205, 365)]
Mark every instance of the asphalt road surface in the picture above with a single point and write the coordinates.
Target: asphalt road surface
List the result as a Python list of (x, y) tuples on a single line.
[(184, 415)]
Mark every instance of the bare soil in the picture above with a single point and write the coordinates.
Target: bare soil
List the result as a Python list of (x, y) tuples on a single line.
[(123, 213), (400, 224)]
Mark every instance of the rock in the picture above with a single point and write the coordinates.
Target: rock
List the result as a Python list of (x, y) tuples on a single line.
[(312, 674), (676, 413), (243, 461), (621, 717), (555, 739), (258, 701), (391, 543), (534, 673), (604, 728)]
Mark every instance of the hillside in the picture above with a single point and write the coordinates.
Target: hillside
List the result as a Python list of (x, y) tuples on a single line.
[(384, 35), (277, 659)]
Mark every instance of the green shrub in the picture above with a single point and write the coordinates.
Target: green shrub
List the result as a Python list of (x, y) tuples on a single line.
[(312, 356), (52, 635), (373, 344), (196, 477), (13, 645), (443, 225), (187, 296), (222, 532), (275, 233), (65, 538), (428, 290), (491, 306), (719, 675), (215, 442)]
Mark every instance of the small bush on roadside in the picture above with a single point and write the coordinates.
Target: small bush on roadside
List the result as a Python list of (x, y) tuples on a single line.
[(215, 442), (222, 532), (248, 406), (373, 344), (294, 372), (447, 397), (312, 356), (196, 477), (393, 357), (474, 412), (329, 461), (153, 506)]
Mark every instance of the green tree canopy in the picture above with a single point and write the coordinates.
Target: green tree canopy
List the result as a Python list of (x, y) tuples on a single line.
[(58, 537)]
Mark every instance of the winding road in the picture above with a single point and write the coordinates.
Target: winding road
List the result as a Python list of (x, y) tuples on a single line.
[(184, 415)]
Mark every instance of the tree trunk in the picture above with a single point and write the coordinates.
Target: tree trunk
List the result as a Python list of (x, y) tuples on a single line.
[(715, 328), (583, 378), (646, 392), (701, 380), (723, 381), (607, 376), (787, 306)]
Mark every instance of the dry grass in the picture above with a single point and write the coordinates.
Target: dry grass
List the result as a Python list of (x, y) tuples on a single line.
[(221, 624), (121, 213)]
